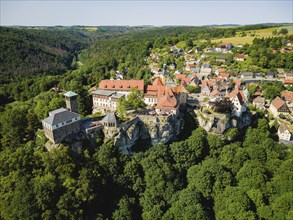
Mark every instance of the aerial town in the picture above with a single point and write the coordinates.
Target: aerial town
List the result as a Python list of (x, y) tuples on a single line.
[(196, 86)]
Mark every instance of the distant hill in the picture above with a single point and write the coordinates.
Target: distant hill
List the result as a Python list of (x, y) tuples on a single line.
[(30, 51)]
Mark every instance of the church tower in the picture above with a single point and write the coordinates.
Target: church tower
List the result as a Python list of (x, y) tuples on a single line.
[(71, 102)]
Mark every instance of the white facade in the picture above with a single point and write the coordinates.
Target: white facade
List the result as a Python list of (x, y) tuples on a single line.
[(285, 135), (238, 108), (150, 101)]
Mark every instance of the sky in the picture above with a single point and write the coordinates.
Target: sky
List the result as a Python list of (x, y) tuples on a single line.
[(137, 12)]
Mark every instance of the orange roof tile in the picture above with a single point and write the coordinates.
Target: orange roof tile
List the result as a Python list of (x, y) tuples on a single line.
[(240, 56), (157, 82), (215, 92), (237, 82), (288, 95), (224, 75), (278, 102), (221, 70), (182, 77), (288, 81), (121, 85), (167, 102)]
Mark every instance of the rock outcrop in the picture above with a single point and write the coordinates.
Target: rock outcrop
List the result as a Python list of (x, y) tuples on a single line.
[(156, 129), (219, 123)]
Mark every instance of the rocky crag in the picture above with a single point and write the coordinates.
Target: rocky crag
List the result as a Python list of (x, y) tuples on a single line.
[(219, 123), (156, 129)]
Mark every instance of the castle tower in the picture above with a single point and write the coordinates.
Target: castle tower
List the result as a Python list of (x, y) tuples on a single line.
[(71, 103)]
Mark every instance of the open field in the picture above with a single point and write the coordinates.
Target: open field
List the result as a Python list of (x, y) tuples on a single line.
[(288, 27), (90, 28), (267, 32)]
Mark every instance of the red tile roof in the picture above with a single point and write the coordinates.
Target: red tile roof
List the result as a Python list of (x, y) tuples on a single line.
[(287, 95), (224, 75), (167, 101), (182, 77), (121, 85), (237, 82), (288, 81), (238, 93), (278, 102), (157, 82), (179, 89), (215, 92), (221, 70), (240, 56)]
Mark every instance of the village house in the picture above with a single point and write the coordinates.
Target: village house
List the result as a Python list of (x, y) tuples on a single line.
[(238, 45), (288, 79), (278, 106), (258, 76), (190, 67), (288, 96), (246, 75), (214, 95), (224, 76), (206, 87), (240, 57), (259, 102), (238, 98), (209, 50), (198, 50), (62, 122), (221, 59), (219, 71), (270, 74), (205, 71), (284, 133), (223, 48)]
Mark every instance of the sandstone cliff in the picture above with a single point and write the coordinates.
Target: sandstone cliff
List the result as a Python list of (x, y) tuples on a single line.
[(155, 129), (219, 123)]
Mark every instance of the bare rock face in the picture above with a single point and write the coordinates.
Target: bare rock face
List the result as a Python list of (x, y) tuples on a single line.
[(156, 129), (221, 122), (206, 121)]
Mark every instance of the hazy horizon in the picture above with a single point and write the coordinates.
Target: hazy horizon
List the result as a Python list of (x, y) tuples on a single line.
[(139, 13)]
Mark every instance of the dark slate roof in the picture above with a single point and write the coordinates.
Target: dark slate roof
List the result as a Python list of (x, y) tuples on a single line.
[(270, 74), (109, 118), (170, 81), (70, 94), (103, 92), (60, 115), (247, 74)]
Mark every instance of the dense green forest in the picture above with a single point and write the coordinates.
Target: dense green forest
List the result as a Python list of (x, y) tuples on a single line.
[(237, 176), (243, 174)]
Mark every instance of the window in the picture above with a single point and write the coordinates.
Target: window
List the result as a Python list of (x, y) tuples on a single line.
[(57, 126), (68, 121)]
